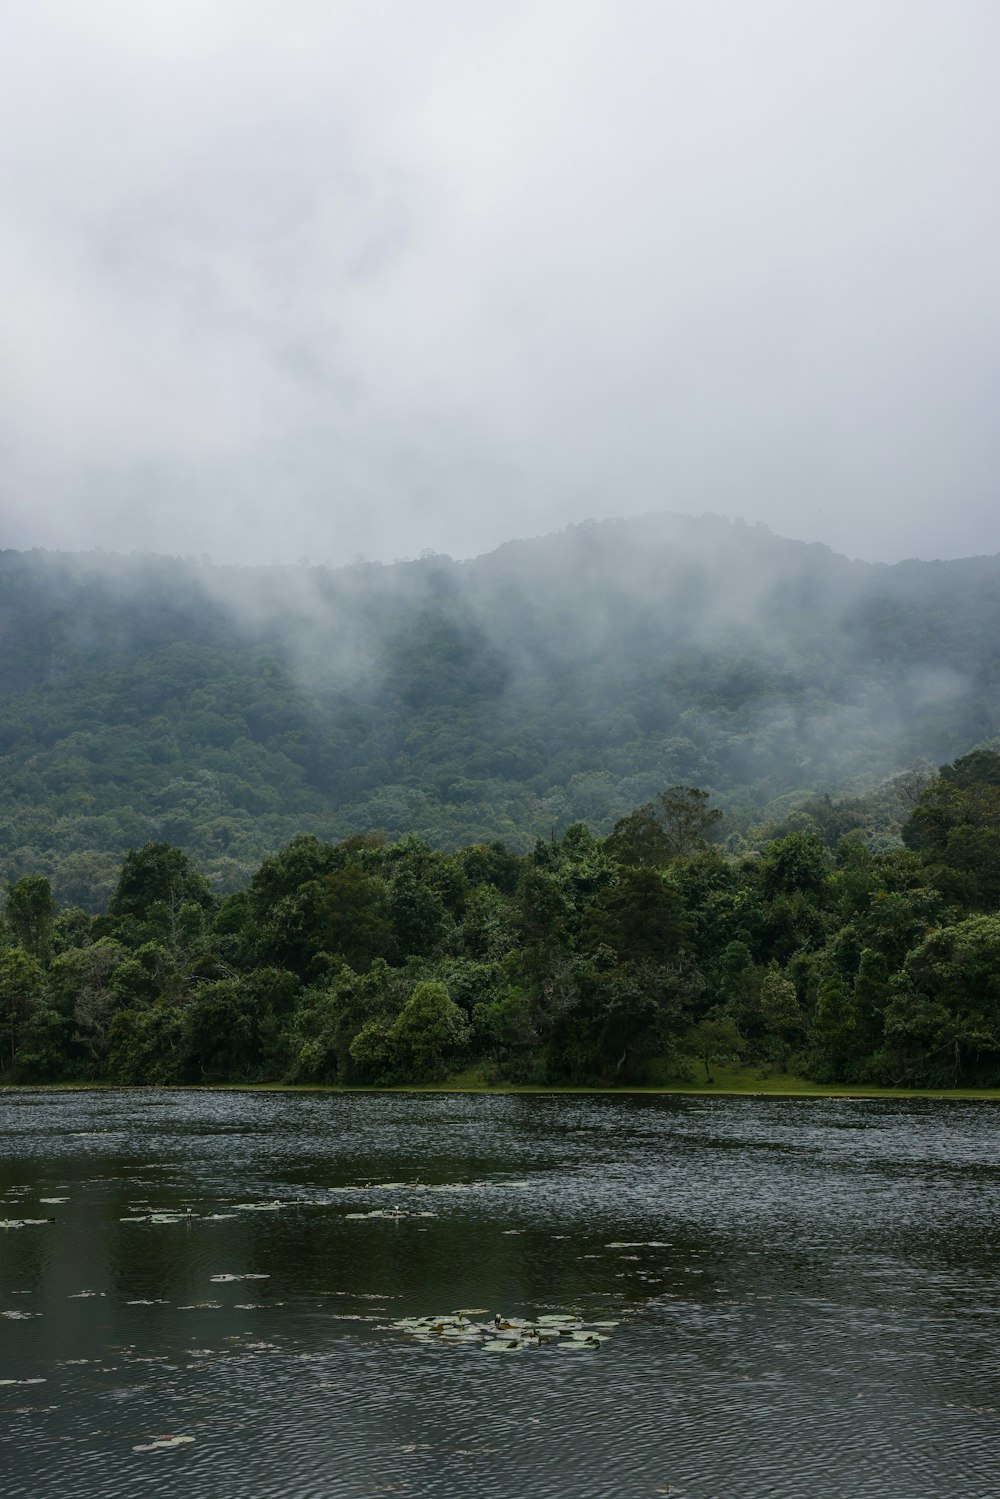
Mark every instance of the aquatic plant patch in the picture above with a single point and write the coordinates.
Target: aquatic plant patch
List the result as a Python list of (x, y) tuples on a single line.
[(502, 1334), (160, 1442)]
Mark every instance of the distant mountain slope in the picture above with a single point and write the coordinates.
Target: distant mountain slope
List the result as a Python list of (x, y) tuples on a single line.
[(561, 679)]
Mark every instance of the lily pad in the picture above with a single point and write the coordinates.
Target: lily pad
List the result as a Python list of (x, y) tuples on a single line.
[(390, 1213), (504, 1333)]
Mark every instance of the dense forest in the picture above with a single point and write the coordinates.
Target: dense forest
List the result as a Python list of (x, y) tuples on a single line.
[(553, 682), (647, 953)]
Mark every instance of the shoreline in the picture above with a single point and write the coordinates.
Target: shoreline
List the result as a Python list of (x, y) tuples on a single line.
[(680, 1090)]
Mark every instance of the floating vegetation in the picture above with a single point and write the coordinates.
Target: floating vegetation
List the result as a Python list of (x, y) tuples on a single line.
[(395, 1212), (156, 1216), (23, 1222), (249, 1276), (19, 1316), (419, 1186), (53, 1199), (159, 1442), (507, 1334), (22, 1381), (479, 1185), (262, 1207), (638, 1244)]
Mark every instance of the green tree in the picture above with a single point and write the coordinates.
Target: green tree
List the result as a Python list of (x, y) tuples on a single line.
[(428, 1032), (677, 824), (31, 910), (942, 1021), (22, 989), (834, 1029), (780, 1012), (713, 1039), (795, 866), (418, 916), (641, 918), (735, 985), (148, 1047), (157, 874), (221, 1034), (955, 826)]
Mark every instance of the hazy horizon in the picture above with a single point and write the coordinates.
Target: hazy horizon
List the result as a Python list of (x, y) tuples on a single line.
[(423, 275), (205, 558)]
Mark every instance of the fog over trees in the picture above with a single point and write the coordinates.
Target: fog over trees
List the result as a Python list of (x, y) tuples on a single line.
[(571, 678)]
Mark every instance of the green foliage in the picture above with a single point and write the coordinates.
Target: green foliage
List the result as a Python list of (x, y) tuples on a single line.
[(365, 961), (833, 1030), (955, 826), (677, 824), (621, 1014), (713, 1040), (157, 878), (30, 911), (943, 1020), (427, 1033), (148, 1046), (641, 918), (221, 711), (22, 988)]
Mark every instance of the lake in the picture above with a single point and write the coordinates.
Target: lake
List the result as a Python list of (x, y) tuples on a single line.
[(721, 1298)]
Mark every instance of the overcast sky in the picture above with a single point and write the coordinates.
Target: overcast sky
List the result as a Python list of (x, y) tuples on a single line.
[(287, 278)]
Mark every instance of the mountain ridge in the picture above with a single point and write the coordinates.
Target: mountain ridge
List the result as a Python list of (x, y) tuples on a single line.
[(552, 680)]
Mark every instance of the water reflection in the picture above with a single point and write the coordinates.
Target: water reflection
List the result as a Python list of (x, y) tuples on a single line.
[(807, 1294)]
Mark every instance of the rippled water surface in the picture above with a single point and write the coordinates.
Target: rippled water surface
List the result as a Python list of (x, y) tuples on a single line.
[(805, 1293)]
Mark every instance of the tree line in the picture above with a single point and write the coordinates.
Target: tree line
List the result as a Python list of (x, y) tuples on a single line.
[(646, 954)]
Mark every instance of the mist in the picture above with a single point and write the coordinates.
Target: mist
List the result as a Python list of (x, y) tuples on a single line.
[(342, 282)]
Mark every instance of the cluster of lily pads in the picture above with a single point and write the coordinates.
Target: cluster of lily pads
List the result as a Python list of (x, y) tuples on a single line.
[(393, 1212), (141, 1213), (159, 1442), (145, 1212), (416, 1185), (502, 1334)]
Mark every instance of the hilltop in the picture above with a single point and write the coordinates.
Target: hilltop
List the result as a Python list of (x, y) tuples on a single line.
[(567, 678)]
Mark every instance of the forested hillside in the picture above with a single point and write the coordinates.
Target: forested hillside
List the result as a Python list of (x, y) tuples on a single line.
[(626, 959), (554, 681)]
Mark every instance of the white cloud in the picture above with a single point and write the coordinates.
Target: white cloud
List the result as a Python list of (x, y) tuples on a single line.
[(312, 279)]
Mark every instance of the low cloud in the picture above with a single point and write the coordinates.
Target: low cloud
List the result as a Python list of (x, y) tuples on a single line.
[(368, 280)]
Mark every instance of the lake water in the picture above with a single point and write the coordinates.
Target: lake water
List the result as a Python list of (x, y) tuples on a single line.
[(806, 1296)]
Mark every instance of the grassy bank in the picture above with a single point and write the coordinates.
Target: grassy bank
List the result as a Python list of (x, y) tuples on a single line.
[(727, 1082)]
